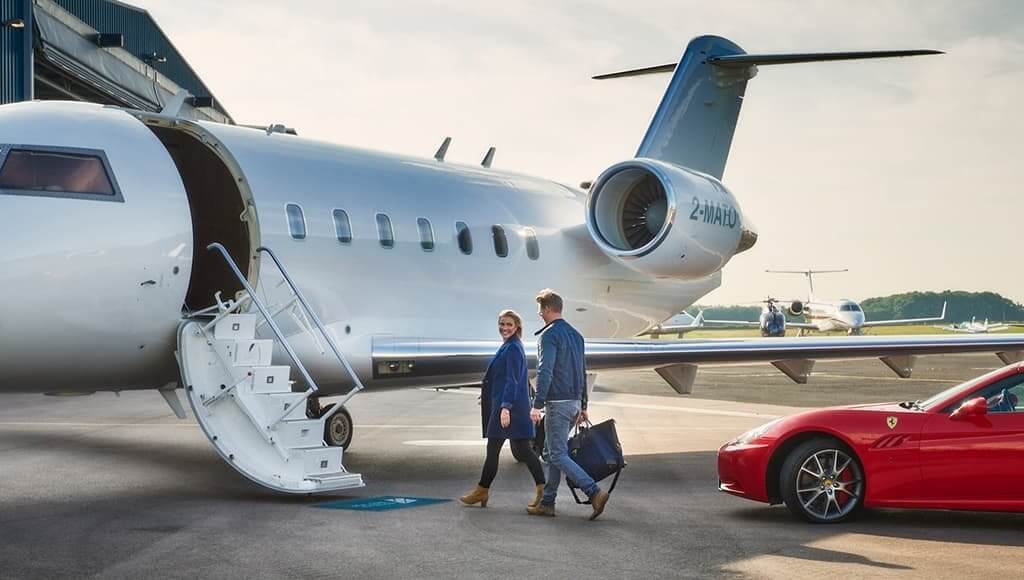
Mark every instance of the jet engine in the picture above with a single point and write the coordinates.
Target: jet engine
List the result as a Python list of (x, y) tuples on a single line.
[(796, 308), (666, 221)]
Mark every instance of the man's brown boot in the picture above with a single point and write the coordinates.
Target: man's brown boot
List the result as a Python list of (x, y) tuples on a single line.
[(598, 502), (542, 510), (540, 496)]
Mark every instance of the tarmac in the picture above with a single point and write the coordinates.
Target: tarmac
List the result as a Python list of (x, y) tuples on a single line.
[(116, 487)]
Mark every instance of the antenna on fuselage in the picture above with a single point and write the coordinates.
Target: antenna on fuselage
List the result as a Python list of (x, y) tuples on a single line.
[(443, 149), (808, 273), (488, 158)]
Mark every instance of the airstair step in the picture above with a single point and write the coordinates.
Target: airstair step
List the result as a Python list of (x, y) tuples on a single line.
[(339, 480), (320, 461), (294, 403), (301, 434), (245, 352), (272, 379), (236, 327)]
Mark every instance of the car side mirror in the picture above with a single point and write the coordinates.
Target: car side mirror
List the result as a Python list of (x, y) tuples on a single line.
[(975, 407)]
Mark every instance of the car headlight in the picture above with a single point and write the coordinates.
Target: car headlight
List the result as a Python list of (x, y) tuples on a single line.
[(755, 433)]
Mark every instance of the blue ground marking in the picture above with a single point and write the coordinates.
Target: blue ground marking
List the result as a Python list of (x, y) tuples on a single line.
[(380, 504)]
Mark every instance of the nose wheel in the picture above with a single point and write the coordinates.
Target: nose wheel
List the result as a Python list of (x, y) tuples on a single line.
[(338, 429)]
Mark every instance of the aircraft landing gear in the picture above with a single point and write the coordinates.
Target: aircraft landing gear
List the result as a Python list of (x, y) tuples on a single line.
[(338, 429)]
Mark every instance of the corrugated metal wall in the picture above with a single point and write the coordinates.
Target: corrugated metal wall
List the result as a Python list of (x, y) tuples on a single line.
[(15, 52), (142, 37)]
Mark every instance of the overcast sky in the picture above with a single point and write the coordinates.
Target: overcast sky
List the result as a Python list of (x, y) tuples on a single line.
[(906, 171)]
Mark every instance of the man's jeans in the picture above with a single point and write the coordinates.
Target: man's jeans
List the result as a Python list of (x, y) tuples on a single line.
[(558, 420)]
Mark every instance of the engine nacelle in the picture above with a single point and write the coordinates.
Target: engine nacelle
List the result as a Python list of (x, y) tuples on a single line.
[(796, 308), (666, 221)]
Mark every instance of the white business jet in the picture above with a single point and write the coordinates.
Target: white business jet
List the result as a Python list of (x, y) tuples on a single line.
[(141, 250), (975, 327), (837, 315)]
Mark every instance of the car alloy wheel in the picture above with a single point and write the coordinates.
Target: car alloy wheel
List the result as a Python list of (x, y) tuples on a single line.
[(822, 482)]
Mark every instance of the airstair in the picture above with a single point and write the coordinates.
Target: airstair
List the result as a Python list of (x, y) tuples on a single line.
[(245, 404)]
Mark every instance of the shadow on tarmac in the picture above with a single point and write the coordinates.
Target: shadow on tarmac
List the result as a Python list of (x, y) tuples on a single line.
[(666, 508)]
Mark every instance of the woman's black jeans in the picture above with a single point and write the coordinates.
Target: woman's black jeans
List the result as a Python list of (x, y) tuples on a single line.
[(522, 449)]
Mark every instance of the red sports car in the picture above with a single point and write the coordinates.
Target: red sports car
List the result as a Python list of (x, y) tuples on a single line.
[(961, 449)]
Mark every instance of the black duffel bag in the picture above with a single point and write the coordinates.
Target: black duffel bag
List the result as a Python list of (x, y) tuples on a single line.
[(597, 450)]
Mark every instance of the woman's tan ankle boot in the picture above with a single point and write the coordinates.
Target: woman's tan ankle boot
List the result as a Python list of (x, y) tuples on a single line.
[(480, 495)]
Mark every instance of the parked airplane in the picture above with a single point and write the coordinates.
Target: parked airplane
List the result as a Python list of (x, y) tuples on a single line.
[(832, 315), (135, 254), (678, 325), (975, 327)]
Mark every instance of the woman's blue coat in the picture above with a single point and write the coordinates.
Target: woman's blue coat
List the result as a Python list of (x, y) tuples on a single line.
[(506, 386)]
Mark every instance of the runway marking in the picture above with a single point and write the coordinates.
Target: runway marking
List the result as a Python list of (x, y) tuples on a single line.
[(81, 424), (446, 443), (418, 426), (453, 391), (864, 378), (685, 410)]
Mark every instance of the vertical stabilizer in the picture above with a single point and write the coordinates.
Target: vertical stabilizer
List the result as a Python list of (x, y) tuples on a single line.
[(695, 121)]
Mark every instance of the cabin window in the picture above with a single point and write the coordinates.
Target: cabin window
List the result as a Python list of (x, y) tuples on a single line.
[(296, 221), (464, 238), (426, 234), (385, 233), (57, 172), (342, 226), (500, 241), (532, 245)]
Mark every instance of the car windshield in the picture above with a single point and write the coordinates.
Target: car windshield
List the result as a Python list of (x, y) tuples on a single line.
[(965, 386)]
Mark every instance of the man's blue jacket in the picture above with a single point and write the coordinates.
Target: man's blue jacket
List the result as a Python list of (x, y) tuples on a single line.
[(561, 366)]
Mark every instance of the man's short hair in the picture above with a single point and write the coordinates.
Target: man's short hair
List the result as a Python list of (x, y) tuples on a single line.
[(550, 299)]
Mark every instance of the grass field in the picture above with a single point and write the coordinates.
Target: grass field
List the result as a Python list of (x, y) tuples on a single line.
[(908, 329)]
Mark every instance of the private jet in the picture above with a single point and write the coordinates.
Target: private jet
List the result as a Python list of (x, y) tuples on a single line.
[(259, 272), (842, 315), (975, 327)]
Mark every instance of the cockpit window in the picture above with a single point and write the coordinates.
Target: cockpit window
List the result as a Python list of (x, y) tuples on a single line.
[(57, 172), (849, 308)]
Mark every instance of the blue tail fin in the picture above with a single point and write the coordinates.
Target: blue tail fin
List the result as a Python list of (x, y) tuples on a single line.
[(694, 124)]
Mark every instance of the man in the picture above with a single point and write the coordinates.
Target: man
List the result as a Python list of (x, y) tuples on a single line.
[(562, 393)]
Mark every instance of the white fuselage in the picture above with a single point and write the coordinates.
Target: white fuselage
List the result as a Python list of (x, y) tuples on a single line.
[(114, 276), (837, 315)]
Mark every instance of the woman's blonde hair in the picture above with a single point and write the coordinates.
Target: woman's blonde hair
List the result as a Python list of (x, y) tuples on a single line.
[(515, 318)]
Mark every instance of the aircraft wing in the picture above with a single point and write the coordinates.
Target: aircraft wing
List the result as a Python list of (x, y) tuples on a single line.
[(907, 320), (464, 362)]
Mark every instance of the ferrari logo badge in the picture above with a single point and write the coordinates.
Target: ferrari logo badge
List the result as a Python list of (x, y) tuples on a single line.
[(891, 422)]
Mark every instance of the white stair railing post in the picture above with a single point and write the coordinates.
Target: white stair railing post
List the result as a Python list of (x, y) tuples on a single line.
[(270, 321), (323, 330)]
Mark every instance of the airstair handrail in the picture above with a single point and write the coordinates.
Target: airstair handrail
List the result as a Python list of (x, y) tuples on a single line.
[(320, 326), (266, 314)]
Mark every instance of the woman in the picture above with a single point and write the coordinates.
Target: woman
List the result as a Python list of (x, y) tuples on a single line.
[(505, 410)]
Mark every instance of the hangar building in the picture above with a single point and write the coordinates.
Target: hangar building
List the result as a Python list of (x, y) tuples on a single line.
[(101, 51)]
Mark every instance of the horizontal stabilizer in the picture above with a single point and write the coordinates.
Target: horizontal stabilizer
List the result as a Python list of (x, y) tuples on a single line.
[(741, 60), (694, 124)]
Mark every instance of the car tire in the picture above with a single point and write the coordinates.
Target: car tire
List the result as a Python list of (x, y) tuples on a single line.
[(822, 481)]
